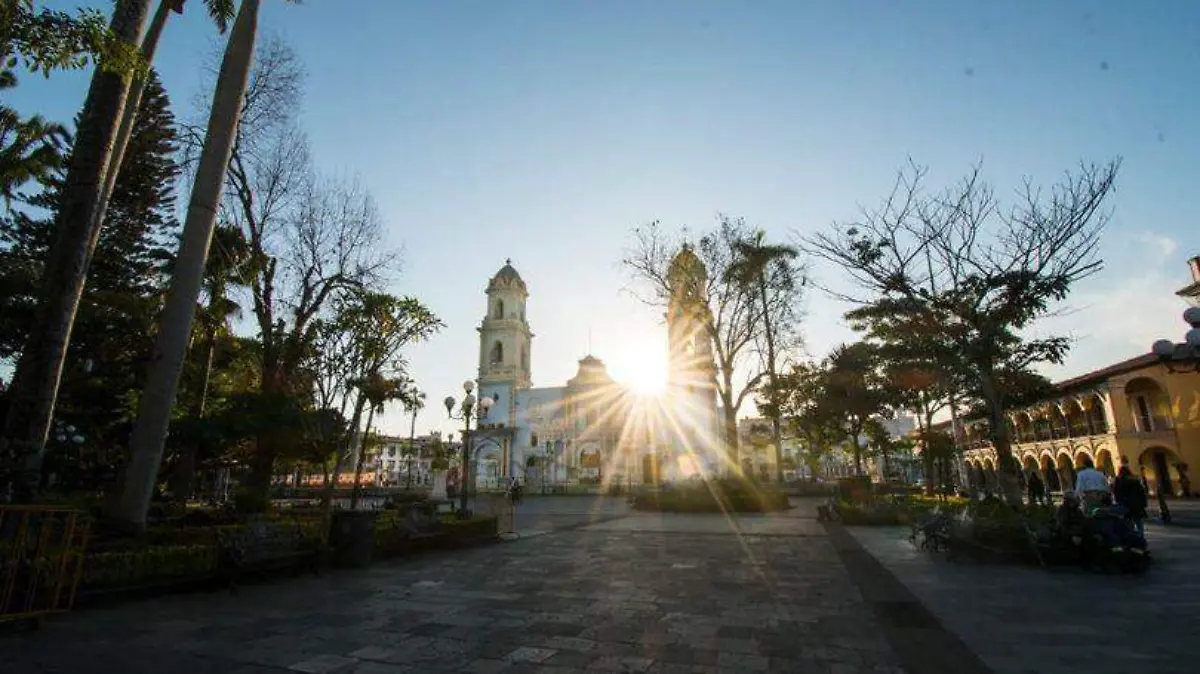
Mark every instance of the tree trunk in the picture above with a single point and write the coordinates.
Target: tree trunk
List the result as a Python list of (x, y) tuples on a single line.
[(776, 430), (362, 457), (1010, 487), (185, 472), (154, 410), (412, 438), (35, 383)]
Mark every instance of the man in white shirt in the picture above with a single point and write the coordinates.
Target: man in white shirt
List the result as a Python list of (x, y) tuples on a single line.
[(1091, 485)]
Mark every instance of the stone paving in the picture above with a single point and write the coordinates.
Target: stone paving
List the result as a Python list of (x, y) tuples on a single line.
[(656, 593), (699, 598), (1022, 620)]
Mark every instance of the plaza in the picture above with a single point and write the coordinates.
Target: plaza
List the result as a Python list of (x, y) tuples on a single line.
[(590, 586)]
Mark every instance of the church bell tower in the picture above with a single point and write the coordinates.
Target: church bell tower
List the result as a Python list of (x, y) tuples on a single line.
[(504, 345), (691, 378)]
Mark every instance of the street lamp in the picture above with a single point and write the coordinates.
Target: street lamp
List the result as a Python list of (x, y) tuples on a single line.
[(1185, 357), (466, 409)]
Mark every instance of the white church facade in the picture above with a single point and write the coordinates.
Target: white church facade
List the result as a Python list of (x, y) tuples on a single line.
[(591, 429)]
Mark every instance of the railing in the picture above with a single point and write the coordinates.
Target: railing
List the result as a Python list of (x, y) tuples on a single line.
[(41, 558)]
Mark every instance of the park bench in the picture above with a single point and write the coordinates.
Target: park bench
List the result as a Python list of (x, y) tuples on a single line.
[(262, 546)]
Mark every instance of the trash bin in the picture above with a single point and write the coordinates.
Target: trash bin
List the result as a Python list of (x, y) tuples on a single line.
[(353, 538)]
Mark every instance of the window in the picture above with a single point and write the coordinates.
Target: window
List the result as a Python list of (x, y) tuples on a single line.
[(524, 358), (1145, 418), (499, 309), (533, 440), (497, 356)]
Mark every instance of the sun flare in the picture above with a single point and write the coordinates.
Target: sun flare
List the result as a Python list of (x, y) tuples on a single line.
[(642, 367)]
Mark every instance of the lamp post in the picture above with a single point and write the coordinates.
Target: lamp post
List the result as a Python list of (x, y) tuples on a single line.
[(1185, 357), (466, 409)]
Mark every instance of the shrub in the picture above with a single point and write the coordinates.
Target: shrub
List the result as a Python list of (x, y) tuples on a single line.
[(147, 565), (718, 495)]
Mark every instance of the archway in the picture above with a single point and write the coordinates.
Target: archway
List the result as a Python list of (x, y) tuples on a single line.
[(1104, 462), (1157, 466), (1066, 471), (1081, 459), (590, 465), (651, 469), (989, 475), (1049, 474), (488, 473), (1028, 465)]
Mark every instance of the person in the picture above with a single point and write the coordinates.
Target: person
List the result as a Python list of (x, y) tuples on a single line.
[(1090, 485), (1037, 489), (1131, 495)]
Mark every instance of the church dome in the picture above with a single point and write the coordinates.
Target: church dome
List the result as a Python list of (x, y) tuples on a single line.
[(592, 372), (506, 277)]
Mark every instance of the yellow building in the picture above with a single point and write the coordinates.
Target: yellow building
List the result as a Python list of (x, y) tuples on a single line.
[(1136, 411)]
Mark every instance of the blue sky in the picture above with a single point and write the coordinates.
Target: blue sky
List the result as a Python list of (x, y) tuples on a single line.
[(544, 130)]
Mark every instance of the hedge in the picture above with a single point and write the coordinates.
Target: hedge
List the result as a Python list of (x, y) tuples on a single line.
[(713, 496)]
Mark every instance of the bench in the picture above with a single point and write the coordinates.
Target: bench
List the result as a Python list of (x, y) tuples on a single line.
[(262, 546)]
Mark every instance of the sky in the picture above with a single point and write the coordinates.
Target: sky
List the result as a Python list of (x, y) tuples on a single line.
[(544, 130)]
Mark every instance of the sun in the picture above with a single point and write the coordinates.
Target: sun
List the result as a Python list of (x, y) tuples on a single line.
[(642, 366)]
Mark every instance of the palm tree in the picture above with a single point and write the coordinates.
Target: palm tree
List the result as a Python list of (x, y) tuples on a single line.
[(30, 149), (224, 268), (35, 382), (378, 390), (158, 400), (105, 126), (752, 267), (413, 401)]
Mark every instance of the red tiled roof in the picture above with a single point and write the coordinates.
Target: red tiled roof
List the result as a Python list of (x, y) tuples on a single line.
[(1135, 363)]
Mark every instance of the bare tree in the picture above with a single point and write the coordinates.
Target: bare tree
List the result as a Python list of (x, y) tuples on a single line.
[(309, 239), (734, 310), (975, 272)]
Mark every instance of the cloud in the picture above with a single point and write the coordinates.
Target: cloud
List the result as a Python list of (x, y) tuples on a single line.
[(1164, 245), (1119, 313)]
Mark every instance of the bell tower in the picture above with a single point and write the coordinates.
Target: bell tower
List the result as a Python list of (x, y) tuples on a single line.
[(504, 345), (691, 376)]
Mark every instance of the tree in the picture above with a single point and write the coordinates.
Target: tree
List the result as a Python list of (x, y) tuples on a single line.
[(123, 290), (48, 40), (976, 272), (732, 312), (853, 393), (154, 413), (31, 149), (77, 223), (799, 394), (768, 271), (414, 402)]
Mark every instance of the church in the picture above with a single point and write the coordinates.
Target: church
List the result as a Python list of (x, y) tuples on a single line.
[(592, 429)]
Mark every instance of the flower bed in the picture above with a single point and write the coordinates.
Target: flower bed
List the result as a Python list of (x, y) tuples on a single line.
[(714, 496)]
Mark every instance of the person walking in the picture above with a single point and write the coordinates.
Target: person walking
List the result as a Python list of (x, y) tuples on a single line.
[(1036, 488), (1131, 495)]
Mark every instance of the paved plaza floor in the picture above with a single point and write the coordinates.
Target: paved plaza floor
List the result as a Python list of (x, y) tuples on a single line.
[(616, 591)]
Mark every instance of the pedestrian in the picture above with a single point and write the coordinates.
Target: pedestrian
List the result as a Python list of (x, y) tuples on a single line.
[(1131, 495), (1090, 485), (1037, 489)]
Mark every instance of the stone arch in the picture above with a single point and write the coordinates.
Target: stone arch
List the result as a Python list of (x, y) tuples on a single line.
[(499, 309), (1065, 467), (1104, 462), (489, 471), (1049, 473), (1081, 457), (1159, 468), (1094, 413), (496, 356)]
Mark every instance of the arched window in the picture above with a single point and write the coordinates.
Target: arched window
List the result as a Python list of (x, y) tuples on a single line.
[(499, 309), (497, 354), (533, 440)]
